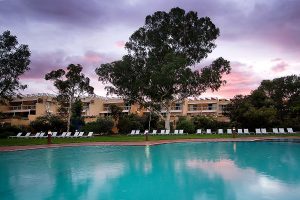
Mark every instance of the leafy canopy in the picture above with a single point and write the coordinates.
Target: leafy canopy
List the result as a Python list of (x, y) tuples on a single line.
[(157, 69), (71, 84), (274, 103), (14, 61)]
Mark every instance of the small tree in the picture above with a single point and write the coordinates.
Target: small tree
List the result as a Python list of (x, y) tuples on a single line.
[(129, 122), (116, 111), (71, 85), (101, 125), (186, 125), (76, 117), (157, 72), (14, 61), (48, 122)]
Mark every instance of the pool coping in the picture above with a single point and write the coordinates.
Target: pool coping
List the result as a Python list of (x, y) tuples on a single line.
[(144, 143)]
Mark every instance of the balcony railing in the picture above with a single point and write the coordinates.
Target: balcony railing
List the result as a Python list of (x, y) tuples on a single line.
[(125, 108), (23, 107), (202, 108)]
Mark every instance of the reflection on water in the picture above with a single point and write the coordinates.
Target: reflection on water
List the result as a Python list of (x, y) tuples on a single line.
[(175, 171), (246, 181)]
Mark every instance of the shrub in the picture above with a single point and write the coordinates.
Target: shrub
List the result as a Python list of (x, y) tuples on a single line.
[(7, 130), (130, 122), (186, 124), (48, 123), (102, 125)]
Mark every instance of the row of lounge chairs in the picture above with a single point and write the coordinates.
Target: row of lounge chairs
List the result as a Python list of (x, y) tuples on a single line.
[(258, 131), (53, 135), (245, 131), (154, 132)]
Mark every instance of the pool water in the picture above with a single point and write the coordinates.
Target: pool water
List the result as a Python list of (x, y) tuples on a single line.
[(244, 170)]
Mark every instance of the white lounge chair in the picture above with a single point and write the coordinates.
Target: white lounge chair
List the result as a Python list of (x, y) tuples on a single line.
[(181, 132), (35, 136), (257, 131), (162, 132), (132, 132), (275, 130), (240, 131), (176, 132), (17, 136), (137, 132), (208, 131), (246, 131), (220, 131), (25, 136), (76, 134), (263, 131), (154, 132), (167, 132), (199, 131), (281, 130), (81, 134), (42, 135), (69, 134), (290, 130), (63, 135), (229, 131), (90, 134), (54, 134)]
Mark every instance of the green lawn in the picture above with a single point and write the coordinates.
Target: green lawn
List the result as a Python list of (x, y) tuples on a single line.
[(115, 138)]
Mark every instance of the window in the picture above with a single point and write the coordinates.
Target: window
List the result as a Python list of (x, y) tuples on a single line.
[(192, 107), (177, 106), (127, 106), (212, 106)]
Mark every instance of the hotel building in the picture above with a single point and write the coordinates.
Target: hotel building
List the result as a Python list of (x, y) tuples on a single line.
[(21, 111)]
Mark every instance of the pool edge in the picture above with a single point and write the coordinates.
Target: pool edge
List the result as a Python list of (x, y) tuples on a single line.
[(144, 143)]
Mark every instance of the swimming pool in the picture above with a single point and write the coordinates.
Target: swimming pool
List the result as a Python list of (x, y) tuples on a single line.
[(212, 170)]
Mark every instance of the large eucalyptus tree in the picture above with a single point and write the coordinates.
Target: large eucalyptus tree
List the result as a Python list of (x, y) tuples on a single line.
[(157, 71), (14, 61), (71, 85)]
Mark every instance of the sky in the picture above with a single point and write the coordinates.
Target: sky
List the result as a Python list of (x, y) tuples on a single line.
[(259, 37)]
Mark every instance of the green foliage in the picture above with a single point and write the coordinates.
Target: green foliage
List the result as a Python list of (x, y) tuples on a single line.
[(48, 123), (70, 85), (116, 111), (77, 120), (154, 123), (14, 61), (186, 124), (207, 122), (275, 103), (7, 130), (101, 125), (157, 72), (130, 122)]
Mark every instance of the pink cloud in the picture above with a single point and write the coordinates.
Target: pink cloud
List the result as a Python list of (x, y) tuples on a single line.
[(280, 67), (120, 44), (241, 80)]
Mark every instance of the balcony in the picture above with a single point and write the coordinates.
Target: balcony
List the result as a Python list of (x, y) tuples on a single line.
[(22, 108), (202, 109)]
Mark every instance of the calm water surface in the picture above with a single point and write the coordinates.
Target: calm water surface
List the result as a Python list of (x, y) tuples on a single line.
[(245, 170)]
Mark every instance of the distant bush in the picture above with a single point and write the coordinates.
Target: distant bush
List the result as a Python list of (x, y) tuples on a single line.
[(48, 123), (207, 122), (130, 122), (7, 130), (102, 125), (186, 124)]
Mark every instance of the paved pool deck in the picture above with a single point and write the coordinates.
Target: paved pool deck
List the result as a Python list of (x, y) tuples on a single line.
[(144, 143)]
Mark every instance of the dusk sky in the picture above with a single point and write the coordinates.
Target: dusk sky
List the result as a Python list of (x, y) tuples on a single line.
[(261, 38)]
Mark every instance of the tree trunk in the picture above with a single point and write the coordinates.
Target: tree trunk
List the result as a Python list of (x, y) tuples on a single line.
[(69, 115), (168, 117)]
